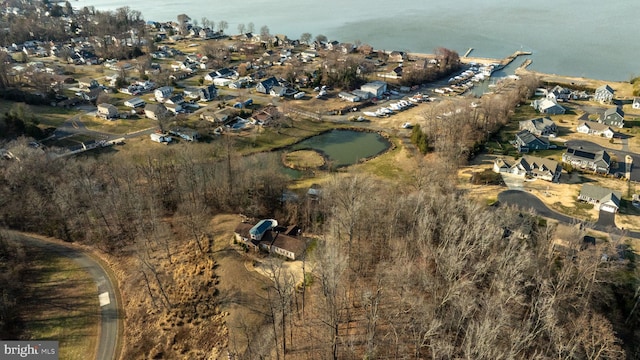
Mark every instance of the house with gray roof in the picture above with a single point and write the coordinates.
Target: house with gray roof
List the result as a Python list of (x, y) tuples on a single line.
[(532, 166), (598, 161), (604, 94), (547, 106), (595, 128), (539, 126), (613, 117), (602, 198), (526, 141), (265, 86), (375, 88)]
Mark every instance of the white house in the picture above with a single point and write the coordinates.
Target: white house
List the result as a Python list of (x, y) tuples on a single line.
[(135, 102), (595, 128), (160, 138), (536, 167), (163, 93), (604, 94), (107, 111), (602, 198)]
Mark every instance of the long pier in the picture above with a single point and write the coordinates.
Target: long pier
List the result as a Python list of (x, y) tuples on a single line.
[(468, 52), (509, 59)]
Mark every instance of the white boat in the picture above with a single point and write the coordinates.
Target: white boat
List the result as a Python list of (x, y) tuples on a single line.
[(369, 113)]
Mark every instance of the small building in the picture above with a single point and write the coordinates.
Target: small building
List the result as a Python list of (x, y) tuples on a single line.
[(107, 111), (636, 103), (604, 199), (160, 138), (558, 93), (259, 229), (135, 103), (613, 117), (277, 91), (363, 95), (595, 128), (598, 161), (349, 97), (604, 94), (539, 126), (526, 141), (375, 88)]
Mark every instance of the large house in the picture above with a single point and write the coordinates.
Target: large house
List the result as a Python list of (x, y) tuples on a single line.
[(284, 241), (558, 93), (375, 88), (532, 166), (598, 161), (613, 117), (604, 94), (155, 111), (539, 126), (265, 86), (107, 111), (547, 106), (595, 128), (207, 93), (604, 199), (163, 93), (526, 141)]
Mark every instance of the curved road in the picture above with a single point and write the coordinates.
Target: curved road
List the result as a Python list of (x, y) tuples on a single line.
[(110, 321), (527, 201)]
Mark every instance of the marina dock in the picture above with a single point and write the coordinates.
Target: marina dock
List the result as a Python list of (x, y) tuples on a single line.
[(468, 52)]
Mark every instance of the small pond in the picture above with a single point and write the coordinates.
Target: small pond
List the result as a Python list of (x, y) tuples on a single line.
[(345, 147)]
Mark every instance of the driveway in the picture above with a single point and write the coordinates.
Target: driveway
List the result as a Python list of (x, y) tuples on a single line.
[(110, 323), (606, 219), (513, 182)]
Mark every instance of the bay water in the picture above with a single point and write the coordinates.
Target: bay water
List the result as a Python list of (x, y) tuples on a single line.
[(589, 38)]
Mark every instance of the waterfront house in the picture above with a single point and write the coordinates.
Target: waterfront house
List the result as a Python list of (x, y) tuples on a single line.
[(532, 166), (397, 56), (613, 117), (107, 111), (526, 141), (375, 88), (547, 106), (604, 94), (595, 128), (602, 198), (636, 103), (596, 161), (539, 126), (558, 93)]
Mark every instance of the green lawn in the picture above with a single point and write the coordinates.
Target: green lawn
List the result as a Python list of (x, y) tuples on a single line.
[(120, 126), (47, 116)]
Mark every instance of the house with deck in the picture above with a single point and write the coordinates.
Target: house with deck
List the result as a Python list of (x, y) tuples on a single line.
[(595, 128), (596, 161), (274, 239), (531, 166), (539, 126), (602, 198), (613, 117)]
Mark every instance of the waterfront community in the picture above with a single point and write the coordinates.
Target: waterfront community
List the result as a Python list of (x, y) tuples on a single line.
[(250, 193)]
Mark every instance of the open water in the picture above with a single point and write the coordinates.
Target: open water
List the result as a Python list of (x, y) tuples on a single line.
[(590, 38)]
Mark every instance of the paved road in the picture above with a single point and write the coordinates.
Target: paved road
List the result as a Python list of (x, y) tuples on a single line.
[(620, 154), (110, 321)]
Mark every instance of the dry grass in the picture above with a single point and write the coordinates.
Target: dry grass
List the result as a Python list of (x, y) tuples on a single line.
[(62, 304), (304, 159)]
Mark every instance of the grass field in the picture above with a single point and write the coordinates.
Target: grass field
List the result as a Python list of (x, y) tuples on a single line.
[(61, 304), (48, 116)]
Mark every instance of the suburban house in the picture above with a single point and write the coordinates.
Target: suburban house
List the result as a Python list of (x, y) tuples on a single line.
[(526, 141), (547, 106), (613, 117), (604, 94), (88, 83), (397, 56), (173, 107), (284, 241), (163, 93), (207, 93), (277, 91), (599, 161), (531, 166), (595, 128), (539, 126), (604, 199), (135, 102), (636, 103), (155, 111), (185, 134), (265, 86), (375, 88), (107, 111)]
